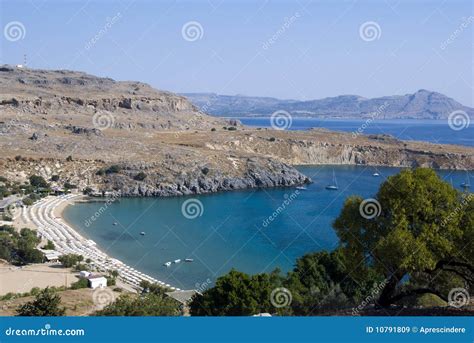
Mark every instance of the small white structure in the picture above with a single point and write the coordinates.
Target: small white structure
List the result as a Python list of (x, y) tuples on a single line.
[(84, 274), (97, 282), (52, 256)]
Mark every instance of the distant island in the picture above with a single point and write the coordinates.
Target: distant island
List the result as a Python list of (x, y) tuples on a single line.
[(423, 104)]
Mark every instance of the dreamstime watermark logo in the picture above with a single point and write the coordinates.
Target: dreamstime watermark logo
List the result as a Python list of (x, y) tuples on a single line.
[(103, 120), (192, 31), (102, 297), (281, 120), (14, 31), (370, 31), (457, 210), (461, 28), (88, 222), (370, 208), (281, 297), (201, 287), (458, 120), (458, 297), (288, 200), (287, 22), (192, 208), (374, 293), (374, 115), (109, 22)]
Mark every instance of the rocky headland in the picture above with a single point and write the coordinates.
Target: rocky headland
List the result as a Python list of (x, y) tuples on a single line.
[(129, 138)]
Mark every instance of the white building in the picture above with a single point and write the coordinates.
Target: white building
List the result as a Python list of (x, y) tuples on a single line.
[(84, 274), (97, 282)]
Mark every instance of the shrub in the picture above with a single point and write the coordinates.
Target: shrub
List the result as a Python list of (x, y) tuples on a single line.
[(55, 178), (140, 176), (70, 260), (232, 128), (81, 283), (68, 185), (7, 218), (46, 303), (28, 201), (49, 246), (113, 169), (38, 181)]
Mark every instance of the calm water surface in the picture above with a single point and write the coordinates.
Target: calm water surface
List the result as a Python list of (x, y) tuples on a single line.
[(230, 233)]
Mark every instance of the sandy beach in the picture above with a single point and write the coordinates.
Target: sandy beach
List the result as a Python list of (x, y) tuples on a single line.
[(45, 216)]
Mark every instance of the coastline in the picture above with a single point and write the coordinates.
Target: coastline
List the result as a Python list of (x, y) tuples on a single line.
[(46, 217)]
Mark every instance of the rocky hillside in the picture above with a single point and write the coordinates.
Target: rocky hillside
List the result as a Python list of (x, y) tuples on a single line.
[(420, 105), (53, 123), (75, 96)]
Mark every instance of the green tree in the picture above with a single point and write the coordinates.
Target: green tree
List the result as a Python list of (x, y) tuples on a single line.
[(46, 303), (49, 245), (38, 181), (237, 294), (149, 304), (70, 260), (424, 229), (321, 280)]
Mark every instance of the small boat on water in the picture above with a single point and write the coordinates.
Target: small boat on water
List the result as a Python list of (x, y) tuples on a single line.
[(167, 264), (115, 223), (466, 184), (301, 188), (333, 186), (376, 174), (142, 233), (177, 261), (189, 260)]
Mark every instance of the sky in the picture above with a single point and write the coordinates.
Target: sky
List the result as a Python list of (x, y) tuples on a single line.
[(285, 49)]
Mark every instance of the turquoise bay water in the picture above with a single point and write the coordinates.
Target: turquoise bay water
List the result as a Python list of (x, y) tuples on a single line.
[(231, 232), (435, 131)]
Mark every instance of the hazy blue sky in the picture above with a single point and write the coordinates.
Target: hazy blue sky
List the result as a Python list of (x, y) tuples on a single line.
[(319, 53)]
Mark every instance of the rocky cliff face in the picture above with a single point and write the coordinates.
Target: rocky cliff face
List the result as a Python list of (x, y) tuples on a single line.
[(75, 96), (128, 138)]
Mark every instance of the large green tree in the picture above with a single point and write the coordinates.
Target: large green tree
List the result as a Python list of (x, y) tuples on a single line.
[(421, 231), (46, 303), (322, 280), (150, 304), (237, 294)]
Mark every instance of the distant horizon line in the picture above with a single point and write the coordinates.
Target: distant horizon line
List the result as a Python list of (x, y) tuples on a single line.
[(232, 95)]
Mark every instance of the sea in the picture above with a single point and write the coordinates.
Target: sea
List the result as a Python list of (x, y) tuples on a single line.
[(253, 231)]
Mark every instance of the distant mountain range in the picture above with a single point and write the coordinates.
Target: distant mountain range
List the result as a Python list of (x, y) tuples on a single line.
[(423, 104)]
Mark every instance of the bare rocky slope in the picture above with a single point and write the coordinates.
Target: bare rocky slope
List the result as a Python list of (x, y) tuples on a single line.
[(130, 138)]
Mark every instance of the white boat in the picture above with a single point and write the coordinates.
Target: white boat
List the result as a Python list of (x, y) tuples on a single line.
[(177, 261), (142, 233), (467, 183), (333, 186), (167, 264), (376, 174), (115, 223), (301, 188), (189, 260)]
